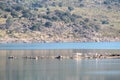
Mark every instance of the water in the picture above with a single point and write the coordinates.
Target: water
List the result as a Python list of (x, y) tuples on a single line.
[(87, 45), (53, 69)]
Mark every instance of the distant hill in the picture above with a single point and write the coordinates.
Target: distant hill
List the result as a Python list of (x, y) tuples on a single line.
[(59, 20)]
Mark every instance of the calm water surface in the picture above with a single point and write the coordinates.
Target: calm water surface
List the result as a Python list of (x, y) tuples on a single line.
[(53, 69), (82, 45)]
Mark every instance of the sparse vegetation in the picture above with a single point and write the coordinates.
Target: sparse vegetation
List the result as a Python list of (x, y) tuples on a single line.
[(76, 20)]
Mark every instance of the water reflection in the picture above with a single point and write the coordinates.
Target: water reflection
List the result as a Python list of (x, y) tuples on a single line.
[(53, 69)]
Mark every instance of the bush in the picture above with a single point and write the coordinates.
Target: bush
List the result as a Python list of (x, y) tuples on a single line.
[(35, 27), (46, 17), (9, 22), (66, 16), (48, 24), (53, 4), (37, 5), (86, 19), (70, 8), (105, 22), (2, 6), (106, 2), (18, 7), (81, 22), (55, 18), (14, 14), (26, 13), (8, 9), (60, 4), (76, 16), (66, 19), (81, 5), (80, 0)]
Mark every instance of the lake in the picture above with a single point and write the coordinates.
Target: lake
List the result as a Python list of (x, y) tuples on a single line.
[(54, 69), (65, 45)]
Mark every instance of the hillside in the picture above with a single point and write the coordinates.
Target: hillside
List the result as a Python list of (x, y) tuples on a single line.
[(59, 20)]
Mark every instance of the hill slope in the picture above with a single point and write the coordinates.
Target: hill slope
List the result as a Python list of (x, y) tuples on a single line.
[(59, 20)]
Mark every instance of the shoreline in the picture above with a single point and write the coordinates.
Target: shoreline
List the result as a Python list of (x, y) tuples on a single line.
[(74, 57), (56, 40)]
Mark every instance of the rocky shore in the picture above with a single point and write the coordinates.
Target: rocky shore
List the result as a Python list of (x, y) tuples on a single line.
[(57, 39), (76, 56)]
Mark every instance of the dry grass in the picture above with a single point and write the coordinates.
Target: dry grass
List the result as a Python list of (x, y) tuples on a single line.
[(2, 20)]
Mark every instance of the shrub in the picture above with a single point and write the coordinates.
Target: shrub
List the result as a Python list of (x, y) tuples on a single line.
[(86, 19), (76, 16), (105, 22), (48, 24), (81, 5), (18, 7), (70, 8), (55, 18), (81, 22), (66, 16), (35, 27), (2, 6), (46, 17), (66, 19), (14, 14), (60, 4), (106, 2), (26, 13), (109, 7), (80, 0), (9, 22), (53, 4), (8, 9)]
